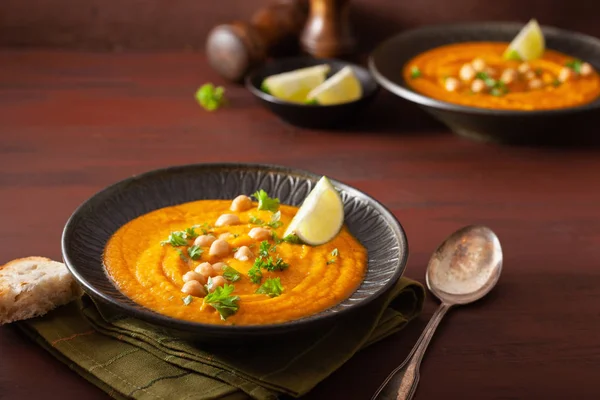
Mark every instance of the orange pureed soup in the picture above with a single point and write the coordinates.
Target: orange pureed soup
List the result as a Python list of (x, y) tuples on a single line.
[(475, 74), (151, 257)]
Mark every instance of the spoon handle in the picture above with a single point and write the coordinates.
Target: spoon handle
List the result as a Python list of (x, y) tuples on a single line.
[(401, 383)]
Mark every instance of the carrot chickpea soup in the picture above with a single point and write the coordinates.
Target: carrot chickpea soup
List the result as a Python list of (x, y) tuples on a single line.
[(476, 74), (226, 262)]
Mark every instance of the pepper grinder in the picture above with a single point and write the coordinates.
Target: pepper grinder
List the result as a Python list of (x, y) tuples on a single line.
[(327, 32), (233, 49)]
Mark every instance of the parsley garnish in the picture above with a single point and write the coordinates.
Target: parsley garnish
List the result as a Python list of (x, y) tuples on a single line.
[(272, 287), (415, 72), (236, 235), (222, 301), (270, 265), (556, 83), (254, 273), (330, 262), (265, 202), (275, 222), (256, 221), (190, 233), (177, 238), (575, 65), (210, 97), (231, 274), (264, 249), (187, 300), (182, 256), (292, 238), (195, 252)]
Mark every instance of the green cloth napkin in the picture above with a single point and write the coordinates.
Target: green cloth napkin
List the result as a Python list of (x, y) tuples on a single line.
[(128, 359)]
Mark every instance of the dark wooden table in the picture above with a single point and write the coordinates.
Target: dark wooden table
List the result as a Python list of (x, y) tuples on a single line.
[(72, 123)]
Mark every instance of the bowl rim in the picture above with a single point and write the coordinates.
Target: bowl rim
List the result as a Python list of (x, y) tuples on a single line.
[(149, 315), (272, 99), (423, 100)]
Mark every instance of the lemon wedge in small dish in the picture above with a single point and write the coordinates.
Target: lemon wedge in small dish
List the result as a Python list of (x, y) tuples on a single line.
[(529, 43), (320, 217), (295, 85), (342, 87)]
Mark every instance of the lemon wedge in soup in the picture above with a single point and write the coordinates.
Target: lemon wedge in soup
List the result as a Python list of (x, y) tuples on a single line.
[(529, 43), (321, 215), (295, 85)]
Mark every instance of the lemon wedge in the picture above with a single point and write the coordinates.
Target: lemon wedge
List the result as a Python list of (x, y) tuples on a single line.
[(529, 43), (295, 85), (342, 87), (321, 215)]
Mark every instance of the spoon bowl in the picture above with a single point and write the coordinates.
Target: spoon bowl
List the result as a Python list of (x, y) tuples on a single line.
[(466, 266)]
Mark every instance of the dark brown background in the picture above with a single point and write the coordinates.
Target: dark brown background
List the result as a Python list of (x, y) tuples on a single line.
[(183, 24), (74, 122)]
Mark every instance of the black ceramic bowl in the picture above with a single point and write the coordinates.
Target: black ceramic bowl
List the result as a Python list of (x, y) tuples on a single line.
[(93, 223), (387, 61), (312, 116)]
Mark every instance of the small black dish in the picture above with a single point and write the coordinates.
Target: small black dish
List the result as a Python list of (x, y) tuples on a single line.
[(560, 126), (307, 115), (93, 223)]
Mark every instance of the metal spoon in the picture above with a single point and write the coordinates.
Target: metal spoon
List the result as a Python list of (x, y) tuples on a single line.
[(463, 269)]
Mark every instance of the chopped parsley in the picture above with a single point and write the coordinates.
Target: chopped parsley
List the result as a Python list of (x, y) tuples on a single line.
[(292, 238), (187, 300), (265, 202), (222, 301), (330, 262), (256, 221), (195, 252), (575, 65), (177, 238), (190, 233), (254, 273), (275, 222), (265, 248), (272, 287), (271, 265), (231, 274), (415, 72), (182, 255), (210, 97), (556, 83)]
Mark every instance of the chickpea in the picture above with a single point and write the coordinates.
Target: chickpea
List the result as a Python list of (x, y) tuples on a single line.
[(478, 64), (508, 76), (227, 219), (216, 282), (217, 267), (451, 84), (259, 233), (530, 75), (535, 84), (492, 72), (477, 86), (194, 276), (523, 68), (225, 236), (565, 74), (241, 203), (586, 69), (467, 72), (194, 288), (219, 248), (243, 254), (204, 240), (205, 269)]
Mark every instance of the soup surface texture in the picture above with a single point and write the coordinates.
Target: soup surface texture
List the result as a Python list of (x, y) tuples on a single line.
[(535, 85), (151, 273)]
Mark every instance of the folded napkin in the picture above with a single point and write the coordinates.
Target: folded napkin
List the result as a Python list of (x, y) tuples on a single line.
[(128, 359)]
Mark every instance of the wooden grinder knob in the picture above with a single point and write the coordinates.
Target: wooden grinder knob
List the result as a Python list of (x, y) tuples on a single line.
[(328, 32), (235, 48)]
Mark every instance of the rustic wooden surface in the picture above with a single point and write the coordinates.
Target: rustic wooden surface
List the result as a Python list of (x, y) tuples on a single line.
[(73, 123)]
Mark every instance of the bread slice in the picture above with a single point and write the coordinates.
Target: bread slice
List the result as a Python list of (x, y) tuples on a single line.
[(32, 286)]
